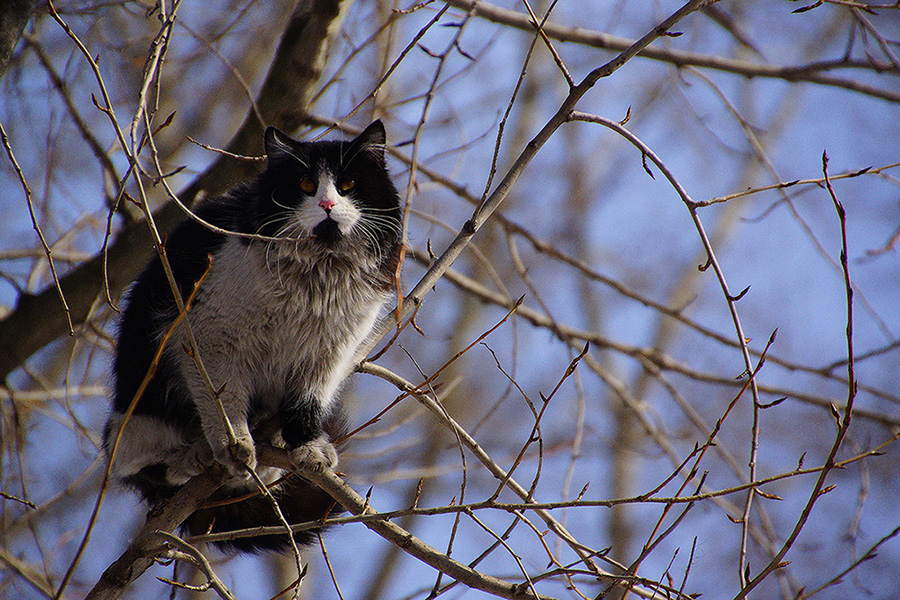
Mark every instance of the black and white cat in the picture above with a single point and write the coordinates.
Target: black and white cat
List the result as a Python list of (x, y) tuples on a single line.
[(276, 324)]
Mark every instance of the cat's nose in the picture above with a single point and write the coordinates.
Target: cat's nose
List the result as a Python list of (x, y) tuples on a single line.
[(327, 204)]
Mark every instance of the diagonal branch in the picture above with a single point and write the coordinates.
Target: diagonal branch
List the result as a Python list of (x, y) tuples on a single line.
[(329, 481), (484, 211), (140, 555)]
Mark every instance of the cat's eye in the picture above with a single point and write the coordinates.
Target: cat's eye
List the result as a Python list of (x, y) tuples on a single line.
[(346, 185), (308, 186)]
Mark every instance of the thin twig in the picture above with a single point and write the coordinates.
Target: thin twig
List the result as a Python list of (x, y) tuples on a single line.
[(37, 228), (196, 558), (843, 421), (730, 299)]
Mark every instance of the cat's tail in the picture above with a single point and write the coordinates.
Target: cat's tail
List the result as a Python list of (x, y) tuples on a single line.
[(232, 510)]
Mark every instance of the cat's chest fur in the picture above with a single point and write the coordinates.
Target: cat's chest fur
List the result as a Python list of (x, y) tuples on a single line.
[(271, 326)]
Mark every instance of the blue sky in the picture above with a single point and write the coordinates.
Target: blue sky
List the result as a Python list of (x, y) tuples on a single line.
[(586, 194)]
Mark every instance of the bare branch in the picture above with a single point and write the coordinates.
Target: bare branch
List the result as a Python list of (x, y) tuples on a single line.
[(146, 546), (813, 73), (325, 478)]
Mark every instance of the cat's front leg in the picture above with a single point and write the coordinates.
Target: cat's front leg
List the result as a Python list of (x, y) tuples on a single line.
[(221, 399), (236, 453), (240, 454), (301, 418), (301, 428)]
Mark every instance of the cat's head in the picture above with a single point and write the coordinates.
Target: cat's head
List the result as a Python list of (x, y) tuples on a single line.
[(334, 196)]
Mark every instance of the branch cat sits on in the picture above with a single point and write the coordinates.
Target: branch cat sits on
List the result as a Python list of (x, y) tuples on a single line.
[(276, 323)]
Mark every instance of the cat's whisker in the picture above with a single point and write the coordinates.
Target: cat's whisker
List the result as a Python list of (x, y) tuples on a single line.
[(291, 153)]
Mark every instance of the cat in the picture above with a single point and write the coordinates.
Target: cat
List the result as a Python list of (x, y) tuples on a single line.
[(276, 322)]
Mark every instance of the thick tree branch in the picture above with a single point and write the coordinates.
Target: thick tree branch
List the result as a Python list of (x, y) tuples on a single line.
[(139, 556), (328, 480)]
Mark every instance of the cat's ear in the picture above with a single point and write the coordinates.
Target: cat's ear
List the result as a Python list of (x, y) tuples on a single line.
[(372, 140), (278, 143)]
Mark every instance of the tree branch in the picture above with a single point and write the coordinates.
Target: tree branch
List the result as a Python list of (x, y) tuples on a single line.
[(140, 555), (328, 480)]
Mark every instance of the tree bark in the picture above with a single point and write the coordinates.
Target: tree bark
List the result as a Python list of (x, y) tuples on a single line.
[(14, 15), (139, 556)]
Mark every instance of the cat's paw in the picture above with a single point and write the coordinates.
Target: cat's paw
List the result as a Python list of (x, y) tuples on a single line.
[(238, 457), (316, 455)]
